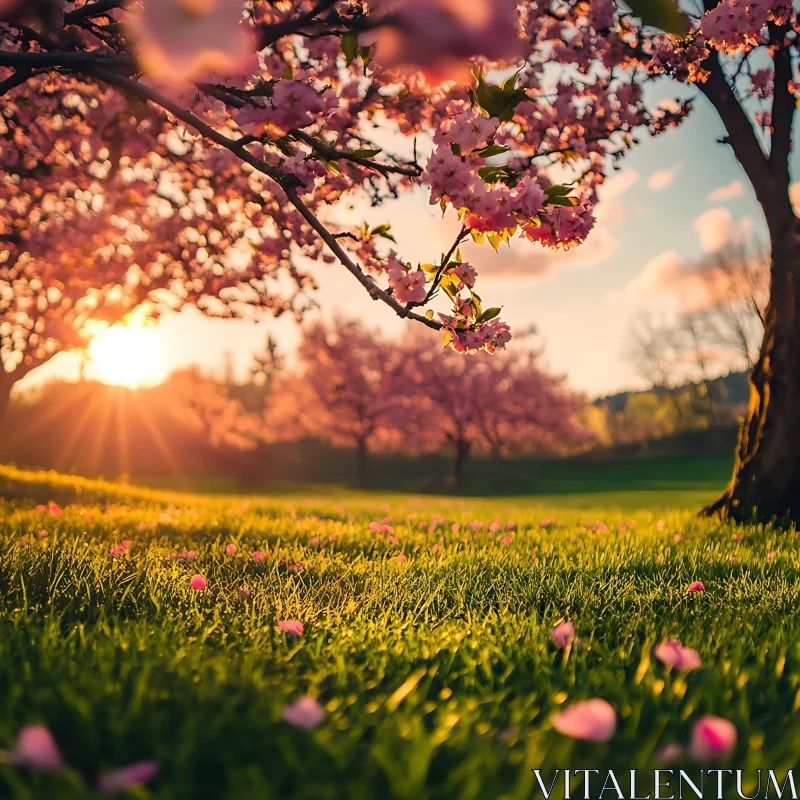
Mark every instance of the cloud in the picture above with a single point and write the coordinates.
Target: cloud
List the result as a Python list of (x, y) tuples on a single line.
[(528, 262), (733, 189), (618, 184), (659, 274), (663, 178), (611, 210), (717, 228)]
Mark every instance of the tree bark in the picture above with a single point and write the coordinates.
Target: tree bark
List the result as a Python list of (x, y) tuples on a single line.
[(362, 462), (766, 478), (462, 454)]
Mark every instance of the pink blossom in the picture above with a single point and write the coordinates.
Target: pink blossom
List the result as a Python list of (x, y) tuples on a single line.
[(258, 557), (771, 554), (436, 548), (592, 720), (314, 540), (41, 508), (125, 778), (563, 634), (506, 541), (36, 749), (669, 754), (408, 285), (55, 510), (244, 593), (675, 655), (197, 582), (334, 537), (713, 739), (305, 713), (293, 628), (696, 586), (230, 549), (401, 557), (660, 525)]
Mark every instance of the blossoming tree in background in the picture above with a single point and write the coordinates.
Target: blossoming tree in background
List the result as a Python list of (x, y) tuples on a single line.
[(287, 96), (351, 391), (493, 404)]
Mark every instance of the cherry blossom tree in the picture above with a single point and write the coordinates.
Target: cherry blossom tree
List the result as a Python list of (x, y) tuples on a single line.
[(494, 404), (88, 237), (287, 95), (350, 391)]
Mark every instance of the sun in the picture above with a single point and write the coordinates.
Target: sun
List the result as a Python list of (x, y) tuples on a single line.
[(127, 355)]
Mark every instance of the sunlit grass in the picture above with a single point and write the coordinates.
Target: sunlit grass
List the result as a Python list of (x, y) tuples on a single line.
[(437, 673)]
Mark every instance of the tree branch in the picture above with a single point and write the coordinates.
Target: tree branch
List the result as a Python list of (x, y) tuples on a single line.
[(375, 292), (783, 106), (747, 149)]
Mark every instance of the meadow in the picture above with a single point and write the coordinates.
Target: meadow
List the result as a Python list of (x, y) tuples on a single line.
[(426, 634)]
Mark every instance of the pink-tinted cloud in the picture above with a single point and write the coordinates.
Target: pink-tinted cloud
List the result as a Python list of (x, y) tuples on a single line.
[(717, 228), (663, 178), (727, 192)]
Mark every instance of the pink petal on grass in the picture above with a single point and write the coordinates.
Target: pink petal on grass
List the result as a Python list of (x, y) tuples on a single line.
[(198, 583), (37, 749), (305, 713), (292, 627), (436, 548), (696, 586), (125, 778), (258, 557), (244, 593), (506, 541), (592, 720), (401, 557), (563, 634), (713, 738), (230, 549), (771, 554), (675, 655)]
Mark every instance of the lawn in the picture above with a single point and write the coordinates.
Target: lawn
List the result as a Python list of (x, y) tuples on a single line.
[(434, 666)]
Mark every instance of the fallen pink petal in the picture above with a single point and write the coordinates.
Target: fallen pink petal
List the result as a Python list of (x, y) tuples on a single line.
[(291, 627), (675, 655), (696, 586), (122, 780), (37, 749), (563, 634), (198, 583), (713, 739), (591, 720), (305, 713)]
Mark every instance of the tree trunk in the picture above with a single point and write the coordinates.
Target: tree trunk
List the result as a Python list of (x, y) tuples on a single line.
[(362, 459), (462, 454), (766, 477)]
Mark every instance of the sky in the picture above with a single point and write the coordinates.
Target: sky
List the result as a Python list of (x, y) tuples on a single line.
[(674, 198)]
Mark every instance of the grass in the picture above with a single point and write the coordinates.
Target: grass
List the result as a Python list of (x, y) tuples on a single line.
[(437, 674)]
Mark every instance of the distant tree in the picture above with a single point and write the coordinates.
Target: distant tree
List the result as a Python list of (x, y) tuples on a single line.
[(497, 404), (718, 328), (350, 391), (267, 364), (223, 419)]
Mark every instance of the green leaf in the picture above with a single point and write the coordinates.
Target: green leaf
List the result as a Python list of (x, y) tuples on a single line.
[(350, 47), (429, 314), (487, 315), (566, 202), (662, 14), (492, 150), (364, 153), (448, 336), (557, 191)]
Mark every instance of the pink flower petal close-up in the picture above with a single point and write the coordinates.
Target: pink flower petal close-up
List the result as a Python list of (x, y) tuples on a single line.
[(591, 720)]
